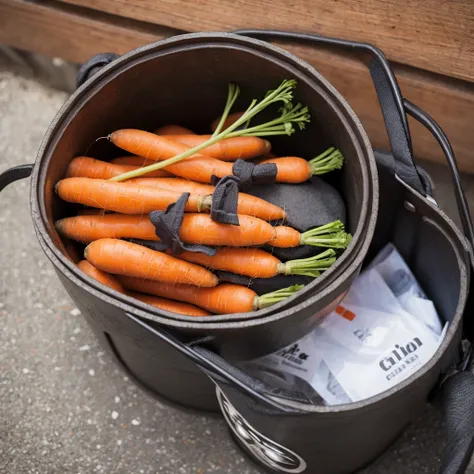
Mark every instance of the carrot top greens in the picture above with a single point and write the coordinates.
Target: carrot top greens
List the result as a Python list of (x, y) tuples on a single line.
[(311, 267), (331, 235), (329, 160), (290, 115), (269, 299)]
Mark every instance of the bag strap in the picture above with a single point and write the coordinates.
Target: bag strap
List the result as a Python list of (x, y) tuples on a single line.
[(388, 93), (14, 174), (462, 205), (457, 402), (215, 366)]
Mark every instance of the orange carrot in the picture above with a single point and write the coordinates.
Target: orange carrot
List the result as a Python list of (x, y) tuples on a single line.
[(201, 168), (286, 237), (225, 298), (140, 197), (195, 229), (230, 149), (170, 305), (201, 229), (174, 184), (257, 263), (247, 204), (126, 258), (125, 198), (173, 130), (149, 145), (231, 119), (197, 167), (102, 277), (85, 167), (134, 160), (292, 169), (115, 226), (330, 235)]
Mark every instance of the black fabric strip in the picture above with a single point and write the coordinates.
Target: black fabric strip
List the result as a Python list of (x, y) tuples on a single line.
[(225, 200), (399, 141), (167, 224), (226, 195), (250, 173)]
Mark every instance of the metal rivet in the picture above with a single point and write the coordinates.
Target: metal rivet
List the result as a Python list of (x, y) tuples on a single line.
[(409, 206)]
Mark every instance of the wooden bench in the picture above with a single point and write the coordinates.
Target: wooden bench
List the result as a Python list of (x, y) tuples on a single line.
[(430, 43)]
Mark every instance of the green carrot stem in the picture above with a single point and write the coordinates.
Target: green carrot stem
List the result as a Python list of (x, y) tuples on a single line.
[(330, 228), (330, 160), (290, 114), (274, 297), (311, 267), (339, 240), (232, 95), (163, 164), (330, 235)]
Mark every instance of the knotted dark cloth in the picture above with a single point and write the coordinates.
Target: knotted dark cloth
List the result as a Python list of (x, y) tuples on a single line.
[(167, 224), (226, 194)]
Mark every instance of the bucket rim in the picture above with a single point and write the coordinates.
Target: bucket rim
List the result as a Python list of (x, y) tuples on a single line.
[(362, 236)]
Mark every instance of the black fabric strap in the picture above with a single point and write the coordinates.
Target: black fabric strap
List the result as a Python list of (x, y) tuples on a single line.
[(225, 200), (94, 65), (14, 174), (399, 142), (250, 173), (457, 397), (226, 194), (214, 365), (167, 224)]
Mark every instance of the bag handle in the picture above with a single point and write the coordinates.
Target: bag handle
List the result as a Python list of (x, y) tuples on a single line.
[(463, 207), (215, 366), (14, 174), (388, 93)]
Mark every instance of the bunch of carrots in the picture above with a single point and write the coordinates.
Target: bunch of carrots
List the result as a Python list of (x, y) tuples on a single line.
[(118, 196)]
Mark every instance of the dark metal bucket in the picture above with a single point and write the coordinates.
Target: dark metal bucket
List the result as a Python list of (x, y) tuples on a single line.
[(184, 80)]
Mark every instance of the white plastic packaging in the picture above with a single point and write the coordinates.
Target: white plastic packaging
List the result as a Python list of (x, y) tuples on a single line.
[(384, 331), (406, 289)]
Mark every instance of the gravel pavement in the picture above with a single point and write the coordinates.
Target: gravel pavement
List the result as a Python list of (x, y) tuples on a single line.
[(64, 406)]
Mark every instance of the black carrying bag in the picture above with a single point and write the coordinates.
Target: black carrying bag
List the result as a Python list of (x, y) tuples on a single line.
[(282, 431)]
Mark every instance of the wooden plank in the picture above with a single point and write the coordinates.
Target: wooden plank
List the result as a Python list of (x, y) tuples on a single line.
[(76, 35), (436, 35)]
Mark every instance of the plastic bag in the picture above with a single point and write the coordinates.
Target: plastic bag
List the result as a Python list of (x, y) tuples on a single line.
[(384, 331)]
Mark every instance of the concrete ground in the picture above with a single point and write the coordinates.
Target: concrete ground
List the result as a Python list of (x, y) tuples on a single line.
[(64, 406)]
